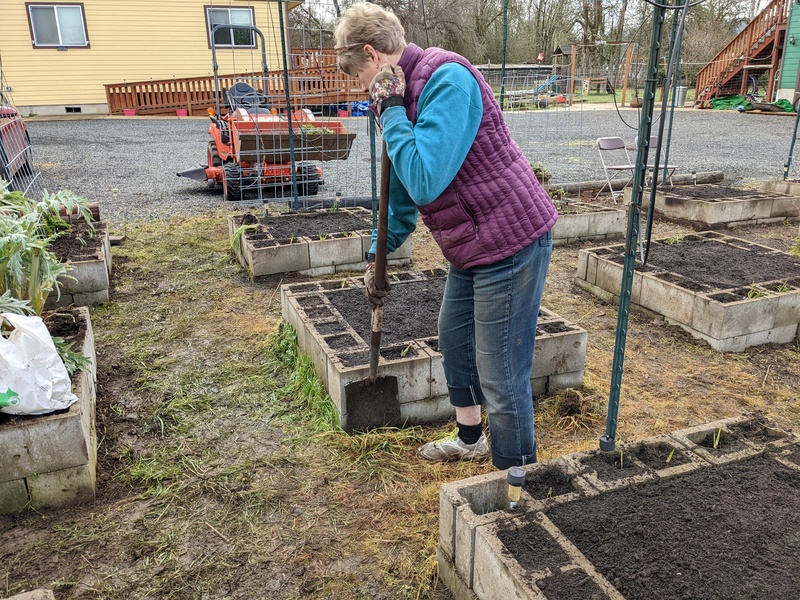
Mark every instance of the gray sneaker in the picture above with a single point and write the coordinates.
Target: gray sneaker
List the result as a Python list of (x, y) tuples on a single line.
[(452, 448)]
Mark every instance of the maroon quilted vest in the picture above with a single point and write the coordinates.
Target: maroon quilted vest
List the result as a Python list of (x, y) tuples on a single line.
[(495, 206)]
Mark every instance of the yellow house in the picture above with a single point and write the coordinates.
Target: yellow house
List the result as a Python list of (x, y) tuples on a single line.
[(57, 56)]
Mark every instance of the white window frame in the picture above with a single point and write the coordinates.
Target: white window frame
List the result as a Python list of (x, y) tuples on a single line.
[(55, 6), (249, 10)]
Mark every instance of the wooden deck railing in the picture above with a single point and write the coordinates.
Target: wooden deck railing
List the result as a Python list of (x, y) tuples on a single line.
[(745, 45), (311, 85)]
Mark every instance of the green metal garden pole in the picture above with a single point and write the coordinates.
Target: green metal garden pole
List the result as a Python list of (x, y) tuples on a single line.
[(607, 440), (788, 164), (286, 89), (503, 63), (675, 50)]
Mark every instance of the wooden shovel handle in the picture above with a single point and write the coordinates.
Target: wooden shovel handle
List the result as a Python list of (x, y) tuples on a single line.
[(383, 220)]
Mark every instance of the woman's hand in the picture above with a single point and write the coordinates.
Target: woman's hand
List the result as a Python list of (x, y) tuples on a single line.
[(373, 295), (387, 87)]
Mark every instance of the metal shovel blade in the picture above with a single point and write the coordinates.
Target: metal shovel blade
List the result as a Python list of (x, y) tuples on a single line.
[(372, 404)]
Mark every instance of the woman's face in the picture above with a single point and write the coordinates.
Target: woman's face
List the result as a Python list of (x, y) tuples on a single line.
[(367, 71)]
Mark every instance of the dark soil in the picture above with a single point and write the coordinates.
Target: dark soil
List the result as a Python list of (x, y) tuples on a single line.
[(723, 442), (310, 224), (533, 547), (659, 456), (78, 244), (411, 310), (734, 266), (692, 536), (549, 483), (711, 192), (574, 584), (611, 466)]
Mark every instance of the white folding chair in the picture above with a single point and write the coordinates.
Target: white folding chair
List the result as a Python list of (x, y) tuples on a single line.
[(651, 163), (616, 161)]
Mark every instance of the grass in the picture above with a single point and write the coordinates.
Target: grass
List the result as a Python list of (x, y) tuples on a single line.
[(222, 469)]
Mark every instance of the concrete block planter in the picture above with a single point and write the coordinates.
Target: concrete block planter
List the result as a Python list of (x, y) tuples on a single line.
[(722, 207), (284, 242), (339, 350), (487, 551), (580, 221), (50, 460), (729, 317), (90, 276)]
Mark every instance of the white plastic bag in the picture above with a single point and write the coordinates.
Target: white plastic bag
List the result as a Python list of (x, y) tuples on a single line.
[(33, 379)]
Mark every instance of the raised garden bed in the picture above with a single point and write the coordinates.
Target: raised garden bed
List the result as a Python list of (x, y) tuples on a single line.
[(705, 207), (312, 242), (582, 221), (677, 531), (332, 321), (50, 460), (90, 259), (732, 293)]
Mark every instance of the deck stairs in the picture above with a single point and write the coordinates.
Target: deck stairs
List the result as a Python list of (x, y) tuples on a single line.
[(755, 50)]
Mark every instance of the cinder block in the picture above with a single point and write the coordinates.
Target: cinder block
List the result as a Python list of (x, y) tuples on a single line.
[(40, 594), (692, 437), (641, 473), (334, 249), (497, 575), (65, 487), (447, 573), (13, 496)]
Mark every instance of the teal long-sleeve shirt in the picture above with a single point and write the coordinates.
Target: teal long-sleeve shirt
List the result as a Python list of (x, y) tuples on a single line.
[(427, 156)]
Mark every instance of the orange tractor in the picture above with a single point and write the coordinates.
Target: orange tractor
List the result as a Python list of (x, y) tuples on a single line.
[(253, 147)]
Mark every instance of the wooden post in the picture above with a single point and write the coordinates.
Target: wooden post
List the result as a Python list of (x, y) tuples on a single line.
[(572, 73), (628, 53)]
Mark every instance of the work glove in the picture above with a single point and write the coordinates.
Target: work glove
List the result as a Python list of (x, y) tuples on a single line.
[(387, 88), (373, 295)]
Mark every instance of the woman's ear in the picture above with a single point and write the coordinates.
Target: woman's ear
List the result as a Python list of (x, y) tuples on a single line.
[(372, 53)]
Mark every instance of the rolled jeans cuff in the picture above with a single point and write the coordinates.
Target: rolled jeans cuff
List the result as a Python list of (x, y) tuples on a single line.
[(466, 396), (506, 462)]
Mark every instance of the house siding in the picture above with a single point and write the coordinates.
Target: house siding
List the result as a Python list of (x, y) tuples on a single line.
[(134, 40), (791, 59)]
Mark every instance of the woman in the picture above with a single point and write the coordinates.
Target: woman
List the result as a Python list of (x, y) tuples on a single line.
[(454, 162)]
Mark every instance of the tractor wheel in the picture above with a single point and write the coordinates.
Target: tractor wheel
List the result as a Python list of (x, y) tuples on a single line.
[(213, 155), (307, 180), (27, 169), (232, 182)]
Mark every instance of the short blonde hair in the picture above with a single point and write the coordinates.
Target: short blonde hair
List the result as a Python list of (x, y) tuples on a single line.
[(366, 23)]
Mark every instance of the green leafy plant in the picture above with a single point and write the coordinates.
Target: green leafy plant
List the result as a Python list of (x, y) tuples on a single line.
[(28, 270), (671, 454), (73, 361), (323, 237), (754, 292), (783, 287), (673, 240)]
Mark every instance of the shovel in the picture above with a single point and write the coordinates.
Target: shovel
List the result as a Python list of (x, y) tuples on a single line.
[(375, 402)]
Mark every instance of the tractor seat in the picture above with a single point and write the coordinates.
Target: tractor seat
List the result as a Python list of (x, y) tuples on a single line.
[(243, 95)]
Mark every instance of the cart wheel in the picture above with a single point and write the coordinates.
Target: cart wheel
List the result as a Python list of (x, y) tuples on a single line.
[(307, 180), (213, 155), (232, 182)]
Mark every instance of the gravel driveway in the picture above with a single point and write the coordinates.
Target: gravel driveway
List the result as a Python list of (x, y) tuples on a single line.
[(129, 165)]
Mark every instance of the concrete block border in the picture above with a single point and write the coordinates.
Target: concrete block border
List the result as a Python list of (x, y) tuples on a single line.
[(475, 564), (52, 459), (89, 277), (730, 320), (263, 254), (340, 355)]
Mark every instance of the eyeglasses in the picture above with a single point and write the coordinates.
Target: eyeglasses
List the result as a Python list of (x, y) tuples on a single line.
[(339, 49)]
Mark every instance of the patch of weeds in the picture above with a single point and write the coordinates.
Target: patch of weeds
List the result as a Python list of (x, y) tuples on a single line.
[(754, 292), (568, 411), (236, 238), (795, 249), (673, 240)]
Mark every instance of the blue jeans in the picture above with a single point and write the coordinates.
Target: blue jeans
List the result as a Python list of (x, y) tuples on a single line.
[(487, 330)]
